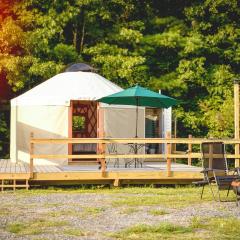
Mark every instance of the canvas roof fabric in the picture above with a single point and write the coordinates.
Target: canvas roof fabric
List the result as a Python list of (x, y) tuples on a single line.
[(60, 89)]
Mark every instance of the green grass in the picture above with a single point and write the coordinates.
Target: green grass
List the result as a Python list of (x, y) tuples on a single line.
[(93, 210), (129, 211), (147, 232), (220, 228), (103, 189), (175, 201), (74, 232), (15, 227), (59, 213), (167, 197), (158, 212), (35, 227), (198, 229)]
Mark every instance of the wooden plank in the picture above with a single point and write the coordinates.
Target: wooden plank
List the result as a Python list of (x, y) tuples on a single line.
[(168, 158), (13, 186), (147, 156), (70, 114), (20, 176), (38, 168), (189, 151), (31, 151), (67, 176), (116, 183), (236, 119), (27, 184), (132, 140), (210, 155)]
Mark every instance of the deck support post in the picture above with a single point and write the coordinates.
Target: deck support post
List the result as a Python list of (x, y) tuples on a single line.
[(31, 151), (103, 160), (168, 135), (116, 182), (189, 151), (236, 119), (174, 145), (100, 134)]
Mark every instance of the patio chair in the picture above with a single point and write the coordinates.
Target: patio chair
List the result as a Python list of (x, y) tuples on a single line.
[(112, 149), (215, 168)]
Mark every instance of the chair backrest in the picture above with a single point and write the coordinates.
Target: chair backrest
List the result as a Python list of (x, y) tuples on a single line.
[(213, 155), (112, 148)]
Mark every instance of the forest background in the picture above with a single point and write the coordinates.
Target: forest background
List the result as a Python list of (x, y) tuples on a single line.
[(190, 49)]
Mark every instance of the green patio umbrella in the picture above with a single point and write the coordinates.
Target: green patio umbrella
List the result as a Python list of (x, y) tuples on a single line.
[(139, 96)]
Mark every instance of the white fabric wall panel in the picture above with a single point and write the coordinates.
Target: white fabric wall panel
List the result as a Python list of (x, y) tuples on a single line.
[(44, 122), (121, 123)]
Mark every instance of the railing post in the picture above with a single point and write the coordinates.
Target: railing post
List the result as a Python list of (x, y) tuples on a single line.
[(31, 151), (236, 119), (168, 136), (190, 151), (103, 160), (210, 156)]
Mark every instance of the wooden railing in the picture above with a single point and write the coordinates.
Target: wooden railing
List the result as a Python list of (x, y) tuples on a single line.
[(101, 156)]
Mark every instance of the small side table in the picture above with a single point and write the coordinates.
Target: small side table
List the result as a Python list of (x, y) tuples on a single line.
[(236, 188)]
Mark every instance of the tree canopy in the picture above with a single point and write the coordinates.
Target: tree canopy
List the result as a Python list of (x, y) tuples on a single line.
[(188, 49)]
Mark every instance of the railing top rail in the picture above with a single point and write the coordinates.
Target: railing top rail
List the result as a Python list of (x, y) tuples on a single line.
[(131, 140)]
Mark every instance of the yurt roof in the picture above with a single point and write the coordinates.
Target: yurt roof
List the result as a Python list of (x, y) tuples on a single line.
[(62, 88)]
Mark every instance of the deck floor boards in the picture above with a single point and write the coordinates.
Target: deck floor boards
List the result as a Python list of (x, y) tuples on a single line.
[(149, 173), (6, 166)]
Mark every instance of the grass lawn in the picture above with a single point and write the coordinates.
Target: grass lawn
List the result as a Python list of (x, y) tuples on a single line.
[(121, 213)]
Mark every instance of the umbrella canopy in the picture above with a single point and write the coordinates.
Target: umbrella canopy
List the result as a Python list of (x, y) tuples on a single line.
[(139, 96)]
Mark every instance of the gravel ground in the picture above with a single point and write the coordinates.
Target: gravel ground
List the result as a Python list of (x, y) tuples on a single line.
[(93, 214)]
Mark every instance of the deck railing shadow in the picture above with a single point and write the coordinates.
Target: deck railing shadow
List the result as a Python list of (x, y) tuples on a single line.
[(101, 156)]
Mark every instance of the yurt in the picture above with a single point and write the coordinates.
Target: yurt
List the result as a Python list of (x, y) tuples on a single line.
[(65, 107)]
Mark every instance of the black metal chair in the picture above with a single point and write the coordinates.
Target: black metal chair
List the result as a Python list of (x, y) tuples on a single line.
[(112, 149), (215, 168)]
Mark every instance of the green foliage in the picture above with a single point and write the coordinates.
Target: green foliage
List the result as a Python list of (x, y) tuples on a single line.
[(78, 123), (189, 50)]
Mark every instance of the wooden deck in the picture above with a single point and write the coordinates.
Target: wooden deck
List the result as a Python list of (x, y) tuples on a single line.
[(151, 172)]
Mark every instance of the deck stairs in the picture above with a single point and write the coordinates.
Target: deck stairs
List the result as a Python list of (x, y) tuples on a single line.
[(13, 184)]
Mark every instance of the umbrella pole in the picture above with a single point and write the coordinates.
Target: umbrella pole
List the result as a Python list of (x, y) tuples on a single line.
[(136, 133), (136, 136)]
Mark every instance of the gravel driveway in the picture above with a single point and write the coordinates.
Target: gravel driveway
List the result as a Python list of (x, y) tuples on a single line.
[(93, 215)]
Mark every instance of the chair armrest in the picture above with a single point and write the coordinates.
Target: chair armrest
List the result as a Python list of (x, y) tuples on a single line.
[(206, 170)]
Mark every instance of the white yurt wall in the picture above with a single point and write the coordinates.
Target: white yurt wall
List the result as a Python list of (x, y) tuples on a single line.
[(44, 110), (44, 122), (120, 122)]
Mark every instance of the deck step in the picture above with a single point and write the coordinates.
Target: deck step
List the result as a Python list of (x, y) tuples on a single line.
[(13, 184)]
